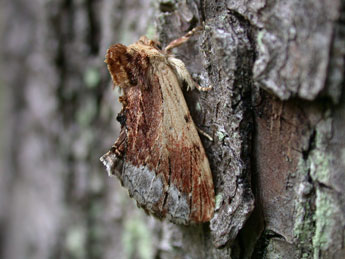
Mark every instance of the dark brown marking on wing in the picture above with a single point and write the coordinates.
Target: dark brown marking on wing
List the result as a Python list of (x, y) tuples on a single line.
[(144, 119), (196, 147), (121, 117), (187, 118)]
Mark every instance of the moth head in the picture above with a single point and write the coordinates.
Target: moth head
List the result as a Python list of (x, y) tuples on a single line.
[(146, 41), (126, 65)]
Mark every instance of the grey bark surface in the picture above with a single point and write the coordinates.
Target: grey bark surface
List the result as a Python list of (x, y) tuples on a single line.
[(276, 114)]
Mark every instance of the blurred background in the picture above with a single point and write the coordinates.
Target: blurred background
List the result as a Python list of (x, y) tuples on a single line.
[(57, 118)]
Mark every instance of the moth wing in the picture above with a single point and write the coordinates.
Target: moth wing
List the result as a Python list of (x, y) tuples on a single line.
[(158, 157), (190, 178)]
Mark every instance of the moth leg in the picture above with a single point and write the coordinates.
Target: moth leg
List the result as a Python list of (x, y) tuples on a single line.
[(201, 132), (183, 39), (183, 75), (202, 88), (181, 72)]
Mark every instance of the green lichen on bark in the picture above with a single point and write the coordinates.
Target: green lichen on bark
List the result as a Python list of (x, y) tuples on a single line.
[(325, 222), (325, 208), (317, 210), (304, 225)]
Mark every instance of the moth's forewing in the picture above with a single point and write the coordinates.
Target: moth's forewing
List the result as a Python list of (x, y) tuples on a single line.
[(163, 163)]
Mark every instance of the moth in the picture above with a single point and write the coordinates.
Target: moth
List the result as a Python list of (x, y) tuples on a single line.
[(158, 156)]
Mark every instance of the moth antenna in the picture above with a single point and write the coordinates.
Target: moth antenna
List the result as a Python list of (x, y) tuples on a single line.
[(204, 134), (183, 39)]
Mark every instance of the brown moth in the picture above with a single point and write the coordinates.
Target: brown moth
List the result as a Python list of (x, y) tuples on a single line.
[(158, 156)]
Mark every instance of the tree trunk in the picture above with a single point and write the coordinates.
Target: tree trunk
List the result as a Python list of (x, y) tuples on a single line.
[(276, 114)]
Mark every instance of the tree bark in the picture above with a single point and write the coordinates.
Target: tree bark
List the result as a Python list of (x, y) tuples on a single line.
[(276, 114)]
